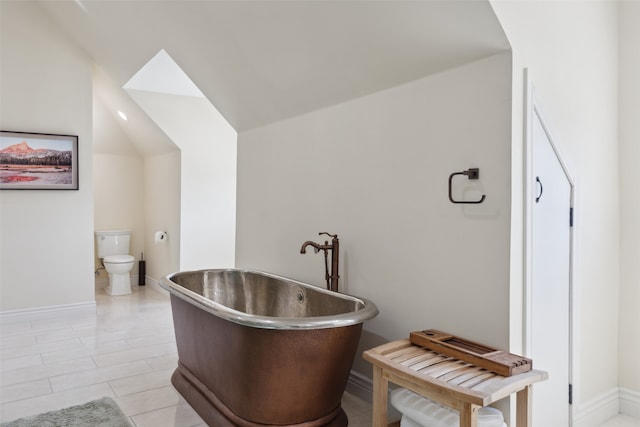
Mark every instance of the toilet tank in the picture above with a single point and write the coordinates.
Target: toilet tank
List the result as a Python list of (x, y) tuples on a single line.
[(113, 242)]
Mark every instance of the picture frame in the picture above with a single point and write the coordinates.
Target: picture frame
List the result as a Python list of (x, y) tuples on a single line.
[(38, 161)]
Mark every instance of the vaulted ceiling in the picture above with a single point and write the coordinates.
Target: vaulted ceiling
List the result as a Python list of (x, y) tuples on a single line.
[(263, 61)]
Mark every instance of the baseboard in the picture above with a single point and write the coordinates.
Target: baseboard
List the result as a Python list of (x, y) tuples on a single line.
[(153, 284), (35, 312), (148, 281), (629, 402), (597, 410), (360, 386), (104, 282)]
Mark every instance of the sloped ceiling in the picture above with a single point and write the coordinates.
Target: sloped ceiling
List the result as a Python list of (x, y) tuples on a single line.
[(263, 61), (143, 133)]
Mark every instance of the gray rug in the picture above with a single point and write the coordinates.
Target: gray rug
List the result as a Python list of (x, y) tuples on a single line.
[(97, 413)]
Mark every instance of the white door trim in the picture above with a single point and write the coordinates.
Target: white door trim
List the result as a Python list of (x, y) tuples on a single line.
[(532, 107)]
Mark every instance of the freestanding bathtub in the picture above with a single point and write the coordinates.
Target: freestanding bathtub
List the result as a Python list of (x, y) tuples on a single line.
[(256, 349)]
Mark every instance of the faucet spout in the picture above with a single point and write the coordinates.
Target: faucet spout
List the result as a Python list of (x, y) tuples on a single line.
[(334, 247), (316, 247)]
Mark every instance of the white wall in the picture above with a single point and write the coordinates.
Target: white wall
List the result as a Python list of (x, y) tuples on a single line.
[(118, 184), (208, 176), (629, 92), (162, 212), (570, 49), (374, 170), (137, 193), (46, 240)]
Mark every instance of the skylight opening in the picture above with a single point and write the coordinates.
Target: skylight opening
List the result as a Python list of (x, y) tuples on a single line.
[(162, 74)]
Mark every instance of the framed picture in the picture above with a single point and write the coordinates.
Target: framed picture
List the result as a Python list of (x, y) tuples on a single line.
[(37, 161)]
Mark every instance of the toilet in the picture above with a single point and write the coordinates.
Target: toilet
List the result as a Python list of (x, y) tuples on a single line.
[(113, 251)]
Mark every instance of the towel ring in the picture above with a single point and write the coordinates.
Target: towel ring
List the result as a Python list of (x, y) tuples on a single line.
[(473, 173)]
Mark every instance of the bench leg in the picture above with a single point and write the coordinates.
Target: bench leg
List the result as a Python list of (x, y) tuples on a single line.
[(523, 407), (469, 415), (380, 397)]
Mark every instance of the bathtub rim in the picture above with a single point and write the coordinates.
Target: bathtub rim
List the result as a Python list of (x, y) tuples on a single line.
[(368, 311)]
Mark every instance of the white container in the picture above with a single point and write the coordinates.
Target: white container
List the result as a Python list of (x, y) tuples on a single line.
[(418, 411)]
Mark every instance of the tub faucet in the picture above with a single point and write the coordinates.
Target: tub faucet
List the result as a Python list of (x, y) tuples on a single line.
[(334, 247)]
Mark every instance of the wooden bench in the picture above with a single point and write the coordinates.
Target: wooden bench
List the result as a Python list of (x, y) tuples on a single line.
[(449, 381)]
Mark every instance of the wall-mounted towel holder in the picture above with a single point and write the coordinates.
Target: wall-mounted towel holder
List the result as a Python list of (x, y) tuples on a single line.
[(473, 173)]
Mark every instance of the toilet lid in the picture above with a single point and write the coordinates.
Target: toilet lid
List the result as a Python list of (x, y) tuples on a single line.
[(119, 259)]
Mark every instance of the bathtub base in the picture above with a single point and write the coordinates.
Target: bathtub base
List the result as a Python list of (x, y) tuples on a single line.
[(215, 413)]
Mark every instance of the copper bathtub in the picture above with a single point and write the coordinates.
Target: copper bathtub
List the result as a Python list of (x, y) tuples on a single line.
[(256, 349)]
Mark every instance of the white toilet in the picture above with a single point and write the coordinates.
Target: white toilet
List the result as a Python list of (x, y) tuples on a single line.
[(113, 251)]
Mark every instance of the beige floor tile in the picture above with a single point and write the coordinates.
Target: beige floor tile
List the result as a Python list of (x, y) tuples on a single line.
[(357, 410), (84, 351), (29, 350), (149, 400), (31, 373), (99, 375), (63, 334), (20, 362), (133, 354), (167, 361), (16, 340), (173, 416), (622, 421), (142, 382), (24, 390), (152, 339), (52, 323), (13, 326)]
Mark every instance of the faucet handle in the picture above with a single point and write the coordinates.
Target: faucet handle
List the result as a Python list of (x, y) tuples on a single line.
[(330, 235)]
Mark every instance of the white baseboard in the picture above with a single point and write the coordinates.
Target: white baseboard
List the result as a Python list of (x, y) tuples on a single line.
[(629, 402), (104, 282), (597, 410), (606, 406), (89, 306), (35, 312), (153, 284), (148, 281), (360, 386)]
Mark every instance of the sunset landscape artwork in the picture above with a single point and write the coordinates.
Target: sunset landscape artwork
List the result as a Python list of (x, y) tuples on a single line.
[(32, 161)]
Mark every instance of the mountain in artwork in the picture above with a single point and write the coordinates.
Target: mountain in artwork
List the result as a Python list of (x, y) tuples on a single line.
[(22, 153)]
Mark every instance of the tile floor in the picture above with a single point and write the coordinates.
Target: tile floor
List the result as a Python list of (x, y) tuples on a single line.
[(125, 350), (622, 421)]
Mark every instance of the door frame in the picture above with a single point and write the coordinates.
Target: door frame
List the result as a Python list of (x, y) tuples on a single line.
[(533, 110)]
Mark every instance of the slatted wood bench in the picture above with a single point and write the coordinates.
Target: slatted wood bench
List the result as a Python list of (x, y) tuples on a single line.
[(449, 381)]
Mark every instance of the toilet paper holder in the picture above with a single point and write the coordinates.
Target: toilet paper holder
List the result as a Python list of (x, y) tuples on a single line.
[(160, 236)]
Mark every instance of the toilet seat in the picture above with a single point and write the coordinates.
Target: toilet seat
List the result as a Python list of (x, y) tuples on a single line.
[(119, 259)]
